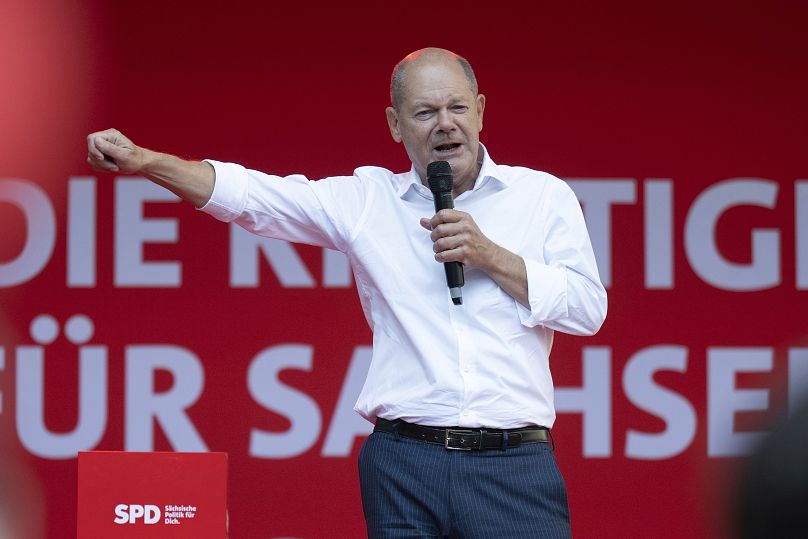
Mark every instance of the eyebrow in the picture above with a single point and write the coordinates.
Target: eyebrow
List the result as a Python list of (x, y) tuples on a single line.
[(453, 100)]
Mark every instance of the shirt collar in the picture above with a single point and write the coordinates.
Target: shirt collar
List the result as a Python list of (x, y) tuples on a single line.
[(490, 171)]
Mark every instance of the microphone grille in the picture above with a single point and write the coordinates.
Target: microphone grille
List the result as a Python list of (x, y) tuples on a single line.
[(439, 176)]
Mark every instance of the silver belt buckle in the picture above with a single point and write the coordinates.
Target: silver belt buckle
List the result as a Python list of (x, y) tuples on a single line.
[(460, 432)]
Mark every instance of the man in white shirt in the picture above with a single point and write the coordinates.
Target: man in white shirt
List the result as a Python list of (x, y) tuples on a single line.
[(473, 377)]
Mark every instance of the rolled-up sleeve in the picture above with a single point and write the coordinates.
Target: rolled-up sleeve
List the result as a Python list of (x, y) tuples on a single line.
[(229, 196), (564, 288)]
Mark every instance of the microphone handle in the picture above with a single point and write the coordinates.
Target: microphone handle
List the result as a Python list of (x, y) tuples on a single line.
[(454, 270), (443, 201), (454, 278)]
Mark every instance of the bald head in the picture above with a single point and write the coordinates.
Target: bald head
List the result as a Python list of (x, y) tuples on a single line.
[(437, 113), (428, 56)]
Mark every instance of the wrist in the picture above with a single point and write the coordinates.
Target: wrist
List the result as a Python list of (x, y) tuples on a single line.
[(493, 259), (148, 161), (501, 262)]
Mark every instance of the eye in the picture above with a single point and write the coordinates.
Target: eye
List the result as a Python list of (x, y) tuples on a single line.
[(459, 109), (424, 114)]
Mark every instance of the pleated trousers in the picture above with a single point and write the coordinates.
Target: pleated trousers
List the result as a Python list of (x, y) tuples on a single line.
[(411, 488)]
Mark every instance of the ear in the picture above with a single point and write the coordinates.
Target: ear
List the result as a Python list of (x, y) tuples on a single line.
[(392, 122), (480, 110)]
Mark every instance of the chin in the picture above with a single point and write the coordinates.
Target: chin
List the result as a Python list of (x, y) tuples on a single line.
[(460, 165)]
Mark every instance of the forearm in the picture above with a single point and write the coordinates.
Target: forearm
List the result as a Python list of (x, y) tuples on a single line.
[(190, 180), (508, 270), (111, 151)]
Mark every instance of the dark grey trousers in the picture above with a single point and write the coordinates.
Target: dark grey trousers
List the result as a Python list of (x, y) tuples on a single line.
[(414, 489)]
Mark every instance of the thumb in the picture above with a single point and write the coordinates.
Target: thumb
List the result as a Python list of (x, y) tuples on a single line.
[(112, 150), (426, 223)]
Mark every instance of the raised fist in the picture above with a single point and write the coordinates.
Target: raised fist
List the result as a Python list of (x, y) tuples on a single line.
[(110, 151)]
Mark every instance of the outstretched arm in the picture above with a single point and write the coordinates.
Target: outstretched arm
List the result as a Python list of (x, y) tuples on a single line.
[(111, 151)]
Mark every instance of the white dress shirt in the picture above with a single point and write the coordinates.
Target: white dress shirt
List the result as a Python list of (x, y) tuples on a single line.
[(481, 364)]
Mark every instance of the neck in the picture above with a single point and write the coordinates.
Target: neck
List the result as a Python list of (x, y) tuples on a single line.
[(462, 186)]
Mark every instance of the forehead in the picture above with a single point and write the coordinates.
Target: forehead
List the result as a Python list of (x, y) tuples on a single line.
[(430, 80)]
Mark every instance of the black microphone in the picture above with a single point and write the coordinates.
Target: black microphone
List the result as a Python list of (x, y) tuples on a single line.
[(439, 178)]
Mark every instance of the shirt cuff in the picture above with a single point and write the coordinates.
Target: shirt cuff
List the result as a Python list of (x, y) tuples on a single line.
[(547, 294), (229, 196)]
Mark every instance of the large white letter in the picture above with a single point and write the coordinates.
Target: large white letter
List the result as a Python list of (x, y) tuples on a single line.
[(597, 195), (81, 232), (724, 399), (300, 409), (132, 230), (282, 257), (168, 408), (797, 377), (346, 424), (40, 225), (92, 420), (801, 232), (658, 209), (593, 399), (700, 243), (336, 270), (677, 413), (2, 368)]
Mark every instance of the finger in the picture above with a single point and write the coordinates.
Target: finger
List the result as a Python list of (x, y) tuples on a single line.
[(447, 244), (91, 147), (448, 216), (445, 230), (426, 223), (112, 135), (111, 150), (452, 255), (102, 165)]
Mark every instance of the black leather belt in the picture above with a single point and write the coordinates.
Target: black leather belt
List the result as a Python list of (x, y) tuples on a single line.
[(466, 439)]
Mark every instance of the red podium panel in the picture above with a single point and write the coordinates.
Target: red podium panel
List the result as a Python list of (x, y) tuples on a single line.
[(152, 495)]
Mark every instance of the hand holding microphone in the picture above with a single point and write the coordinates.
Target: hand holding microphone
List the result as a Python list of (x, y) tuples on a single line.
[(458, 240), (440, 180)]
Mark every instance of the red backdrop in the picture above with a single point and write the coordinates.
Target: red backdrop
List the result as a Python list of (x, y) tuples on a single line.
[(683, 130)]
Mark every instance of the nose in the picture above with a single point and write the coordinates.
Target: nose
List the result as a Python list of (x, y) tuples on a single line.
[(445, 120)]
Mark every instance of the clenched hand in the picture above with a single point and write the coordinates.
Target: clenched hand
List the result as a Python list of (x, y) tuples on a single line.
[(111, 151)]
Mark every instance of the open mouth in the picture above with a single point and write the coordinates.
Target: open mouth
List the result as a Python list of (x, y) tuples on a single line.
[(448, 147)]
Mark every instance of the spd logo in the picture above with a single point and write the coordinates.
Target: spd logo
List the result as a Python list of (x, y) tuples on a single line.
[(129, 514)]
